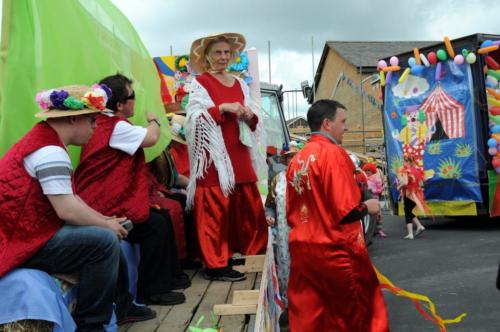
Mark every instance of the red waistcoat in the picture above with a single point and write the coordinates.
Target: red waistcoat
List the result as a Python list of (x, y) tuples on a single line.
[(109, 180), (27, 219)]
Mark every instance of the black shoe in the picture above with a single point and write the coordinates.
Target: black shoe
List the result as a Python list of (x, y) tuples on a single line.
[(190, 264), (137, 313), (181, 282), (170, 298), (224, 274), (236, 261)]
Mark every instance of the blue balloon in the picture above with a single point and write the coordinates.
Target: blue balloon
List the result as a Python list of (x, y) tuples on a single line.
[(496, 129), (412, 62), (492, 143), (417, 69), (490, 85), (486, 43), (497, 170)]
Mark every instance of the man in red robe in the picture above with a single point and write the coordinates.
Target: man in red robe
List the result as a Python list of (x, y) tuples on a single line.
[(332, 286)]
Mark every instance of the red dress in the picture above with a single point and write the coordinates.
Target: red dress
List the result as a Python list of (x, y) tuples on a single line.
[(236, 223), (332, 285)]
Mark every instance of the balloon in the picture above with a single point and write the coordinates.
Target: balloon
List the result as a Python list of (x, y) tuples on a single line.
[(494, 73), (485, 50), (388, 78), (491, 62), (465, 52), (495, 162), (496, 129), (391, 68), (394, 61), (471, 58), (497, 170), (492, 79), (417, 69), (424, 60), (382, 64), (459, 59), (495, 110), (492, 143), (412, 62), (492, 151), (437, 76), (493, 93), (416, 53), (432, 58), (441, 55), (486, 43), (404, 76), (382, 78), (449, 48)]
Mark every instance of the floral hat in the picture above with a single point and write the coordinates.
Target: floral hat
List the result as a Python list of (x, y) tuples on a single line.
[(199, 46), (72, 100), (177, 126)]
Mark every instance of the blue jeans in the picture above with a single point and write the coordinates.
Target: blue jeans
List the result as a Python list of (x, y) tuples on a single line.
[(94, 253)]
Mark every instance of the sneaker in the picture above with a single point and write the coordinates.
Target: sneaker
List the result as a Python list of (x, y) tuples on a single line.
[(181, 283), (170, 298), (408, 237), (224, 274), (137, 313), (381, 233), (419, 231), (234, 261)]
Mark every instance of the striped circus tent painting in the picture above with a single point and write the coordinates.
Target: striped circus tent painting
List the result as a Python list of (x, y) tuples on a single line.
[(449, 111)]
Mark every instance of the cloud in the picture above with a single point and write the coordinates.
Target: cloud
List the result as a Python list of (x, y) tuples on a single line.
[(412, 87)]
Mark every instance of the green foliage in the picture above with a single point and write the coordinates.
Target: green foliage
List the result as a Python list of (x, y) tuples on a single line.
[(449, 169), (463, 150), (434, 148)]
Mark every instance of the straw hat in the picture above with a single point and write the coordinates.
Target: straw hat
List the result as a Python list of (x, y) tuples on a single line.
[(292, 150), (177, 125), (72, 100), (199, 46)]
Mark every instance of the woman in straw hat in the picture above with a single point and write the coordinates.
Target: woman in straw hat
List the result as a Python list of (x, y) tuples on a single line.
[(221, 130), (45, 226)]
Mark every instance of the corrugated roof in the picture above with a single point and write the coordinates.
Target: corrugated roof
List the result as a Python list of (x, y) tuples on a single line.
[(367, 53)]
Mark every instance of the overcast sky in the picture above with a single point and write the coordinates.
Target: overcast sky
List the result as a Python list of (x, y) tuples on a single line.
[(290, 24)]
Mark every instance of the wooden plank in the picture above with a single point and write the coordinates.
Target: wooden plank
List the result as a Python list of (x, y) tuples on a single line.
[(253, 263), (242, 297), (237, 322), (217, 292), (232, 309), (179, 318)]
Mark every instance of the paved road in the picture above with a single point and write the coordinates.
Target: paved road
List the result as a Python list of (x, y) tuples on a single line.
[(454, 262)]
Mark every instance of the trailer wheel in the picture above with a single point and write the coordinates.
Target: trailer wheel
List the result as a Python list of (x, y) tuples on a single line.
[(369, 222)]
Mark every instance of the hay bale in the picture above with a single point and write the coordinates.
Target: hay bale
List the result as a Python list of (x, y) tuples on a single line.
[(28, 325)]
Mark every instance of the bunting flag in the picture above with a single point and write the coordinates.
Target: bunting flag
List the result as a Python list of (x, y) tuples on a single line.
[(418, 299), (46, 45)]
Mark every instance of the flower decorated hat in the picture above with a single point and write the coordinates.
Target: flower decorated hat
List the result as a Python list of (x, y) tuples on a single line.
[(199, 46), (72, 100), (177, 126)]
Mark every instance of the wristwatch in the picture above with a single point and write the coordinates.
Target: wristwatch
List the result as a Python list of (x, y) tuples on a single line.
[(155, 121)]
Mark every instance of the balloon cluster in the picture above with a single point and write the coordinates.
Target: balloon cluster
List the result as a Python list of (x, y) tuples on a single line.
[(492, 78), (419, 61)]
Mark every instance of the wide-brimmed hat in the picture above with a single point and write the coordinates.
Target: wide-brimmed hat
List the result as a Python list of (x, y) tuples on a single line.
[(177, 126), (72, 100), (292, 150), (199, 46)]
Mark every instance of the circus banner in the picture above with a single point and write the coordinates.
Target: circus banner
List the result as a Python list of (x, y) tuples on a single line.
[(432, 119)]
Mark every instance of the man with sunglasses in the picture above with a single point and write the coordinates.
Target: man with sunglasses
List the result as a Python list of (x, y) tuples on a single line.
[(112, 177)]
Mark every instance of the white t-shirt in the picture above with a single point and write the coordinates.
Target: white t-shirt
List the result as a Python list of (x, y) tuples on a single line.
[(126, 137), (52, 167)]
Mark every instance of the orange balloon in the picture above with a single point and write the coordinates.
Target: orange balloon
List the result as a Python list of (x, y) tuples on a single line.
[(488, 49), (449, 48), (391, 68), (416, 53)]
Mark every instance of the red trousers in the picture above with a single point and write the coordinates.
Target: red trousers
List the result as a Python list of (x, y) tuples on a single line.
[(176, 215), (333, 287), (226, 225)]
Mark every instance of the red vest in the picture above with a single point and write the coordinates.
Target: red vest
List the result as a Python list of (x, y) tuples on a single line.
[(109, 180), (27, 219)]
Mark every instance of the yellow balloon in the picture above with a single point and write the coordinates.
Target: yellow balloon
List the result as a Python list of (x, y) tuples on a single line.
[(404, 76)]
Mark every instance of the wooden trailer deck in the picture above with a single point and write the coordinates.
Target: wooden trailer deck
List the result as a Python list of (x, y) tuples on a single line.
[(200, 300)]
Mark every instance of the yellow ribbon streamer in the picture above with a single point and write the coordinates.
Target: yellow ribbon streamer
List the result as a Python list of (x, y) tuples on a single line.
[(438, 320)]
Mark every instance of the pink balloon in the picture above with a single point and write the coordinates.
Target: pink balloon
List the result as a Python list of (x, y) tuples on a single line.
[(459, 59), (394, 61), (382, 64), (492, 151)]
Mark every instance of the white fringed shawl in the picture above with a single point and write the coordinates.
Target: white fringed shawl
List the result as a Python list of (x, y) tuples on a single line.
[(206, 143)]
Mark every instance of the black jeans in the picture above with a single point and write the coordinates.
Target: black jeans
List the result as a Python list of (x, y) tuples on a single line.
[(409, 205), (94, 253), (159, 264)]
